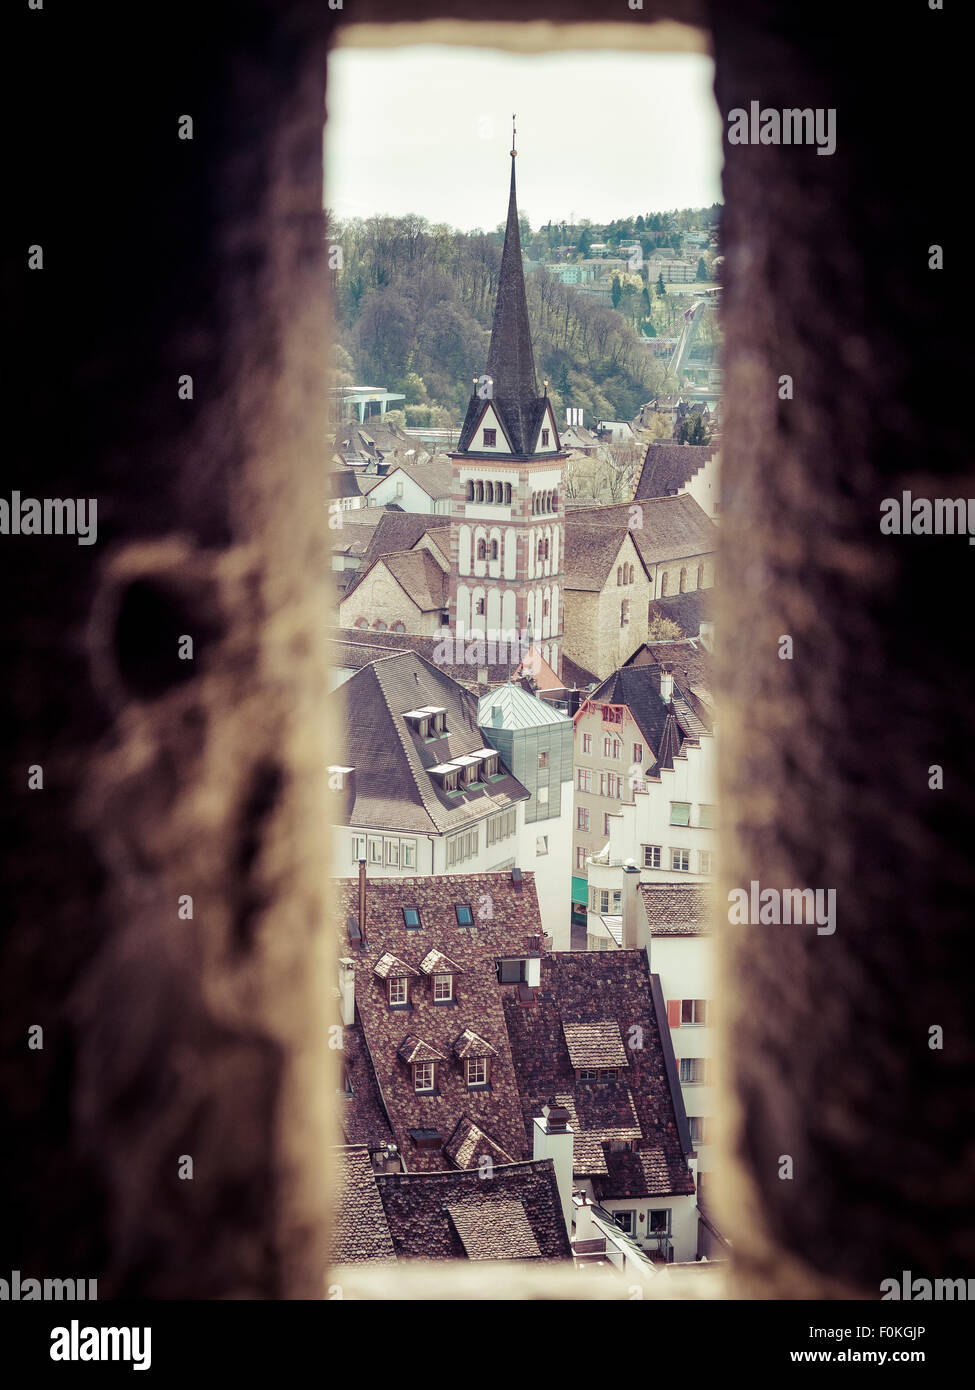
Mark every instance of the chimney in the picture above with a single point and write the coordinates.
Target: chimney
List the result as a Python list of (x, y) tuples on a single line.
[(667, 682), (553, 1139), (362, 898), (347, 990), (631, 907)]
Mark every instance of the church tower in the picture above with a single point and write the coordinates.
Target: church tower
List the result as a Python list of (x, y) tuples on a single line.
[(507, 505)]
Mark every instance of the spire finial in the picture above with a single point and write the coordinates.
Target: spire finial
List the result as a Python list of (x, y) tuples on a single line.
[(513, 150)]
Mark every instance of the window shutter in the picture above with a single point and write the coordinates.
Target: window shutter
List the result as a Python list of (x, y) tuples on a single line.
[(673, 1012)]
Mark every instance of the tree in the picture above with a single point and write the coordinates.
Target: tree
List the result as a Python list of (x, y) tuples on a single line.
[(702, 270), (661, 629), (661, 287), (692, 430), (617, 292), (564, 386)]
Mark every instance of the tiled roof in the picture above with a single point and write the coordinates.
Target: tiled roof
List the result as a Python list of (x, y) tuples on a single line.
[(468, 1044), (576, 676), (669, 467), (389, 967), (496, 1230), (356, 647), (595, 1044), (436, 963), (638, 688), (688, 610), (360, 1232), (596, 987), (674, 528), (511, 930), (468, 1145), (678, 909), (420, 577), (393, 786), (692, 663), (515, 1214), (434, 475), (363, 1116), (400, 531), (413, 1049), (591, 549)]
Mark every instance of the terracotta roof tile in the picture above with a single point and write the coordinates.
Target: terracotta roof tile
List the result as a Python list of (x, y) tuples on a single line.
[(595, 1044), (360, 1232), (494, 1230), (678, 909), (390, 967), (471, 1044), (414, 1049)]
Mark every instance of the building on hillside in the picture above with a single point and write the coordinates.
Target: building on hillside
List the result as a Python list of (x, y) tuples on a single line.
[(645, 789), (362, 402), (405, 592), (381, 1217), (349, 540), (414, 487), (508, 509), (468, 1047), (678, 272), (535, 742), (671, 469), (419, 790), (615, 431)]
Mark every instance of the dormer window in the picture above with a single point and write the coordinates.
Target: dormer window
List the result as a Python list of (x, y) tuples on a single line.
[(465, 917), (398, 990), (423, 1076), (443, 988), (450, 781), (477, 1071), (490, 439), (587, 1074), (544, 439), (489, 767)]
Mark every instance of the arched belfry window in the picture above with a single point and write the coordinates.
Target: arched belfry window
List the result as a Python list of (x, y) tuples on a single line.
[(470, 490), (478, 492), (619, 575), (494, 550), (481, 550), (507, 492), (489, 492)]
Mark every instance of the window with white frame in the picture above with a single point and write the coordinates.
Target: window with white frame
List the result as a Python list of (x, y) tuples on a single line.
[(499, 827), (658, 1222), (587, 1073), (443, 988), (609, 1074), (651, 856), (398, 993), (705, 862), (375, 849), (392, 854), (699, 1129), (407, 854), (423, 1076), (626, 1220), (358, 847), (477, 1071), (680, 859)]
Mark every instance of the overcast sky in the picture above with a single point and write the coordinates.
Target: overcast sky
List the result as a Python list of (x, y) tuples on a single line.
[(600, 135)]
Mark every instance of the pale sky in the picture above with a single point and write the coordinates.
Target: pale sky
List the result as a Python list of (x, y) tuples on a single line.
[(600, 135)]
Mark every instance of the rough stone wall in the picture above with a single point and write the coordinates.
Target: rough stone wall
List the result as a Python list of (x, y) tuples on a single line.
[(380, 598)]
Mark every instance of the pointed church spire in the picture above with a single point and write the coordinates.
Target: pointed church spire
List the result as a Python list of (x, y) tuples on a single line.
[(511, 363)]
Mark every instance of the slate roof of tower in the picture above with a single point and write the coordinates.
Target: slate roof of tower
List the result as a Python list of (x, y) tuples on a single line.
[(597, 987), (688, 610), (515, 1214), (590, 552), (511, 361), (512, 929), (393, 786)]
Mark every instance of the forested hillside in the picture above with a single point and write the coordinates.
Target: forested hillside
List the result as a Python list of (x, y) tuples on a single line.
[(414, 305)]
